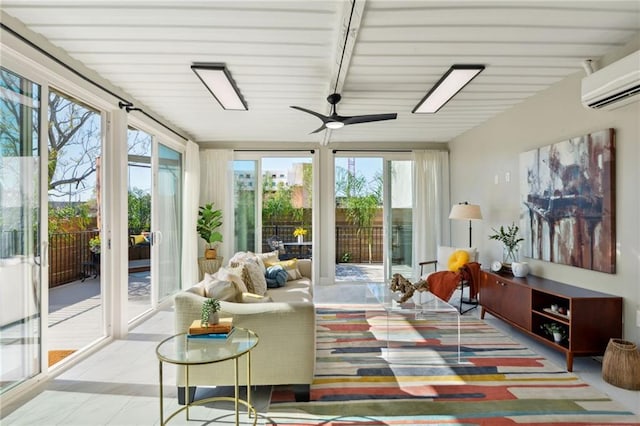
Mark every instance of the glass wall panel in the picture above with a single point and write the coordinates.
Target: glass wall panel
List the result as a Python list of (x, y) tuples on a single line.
[(359, 220), (400, 224), (139, 221), (20, 256), (286, 206), (168, 202), (74, 185), (244, 190)]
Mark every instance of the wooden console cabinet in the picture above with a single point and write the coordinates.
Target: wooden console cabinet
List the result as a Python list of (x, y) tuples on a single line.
[(593, 317)]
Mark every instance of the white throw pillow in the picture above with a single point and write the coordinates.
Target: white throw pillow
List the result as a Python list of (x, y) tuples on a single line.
[(222, 290), (232, 274)]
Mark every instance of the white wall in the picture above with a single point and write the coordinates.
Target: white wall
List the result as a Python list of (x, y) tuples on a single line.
[(552, 116)]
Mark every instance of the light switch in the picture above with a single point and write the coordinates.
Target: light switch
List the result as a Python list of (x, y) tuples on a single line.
[(507, 177), (496, 179)]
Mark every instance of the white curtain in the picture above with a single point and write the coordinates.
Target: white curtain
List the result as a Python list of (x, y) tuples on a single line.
[(216, 176), (431, 205), (190, 215)]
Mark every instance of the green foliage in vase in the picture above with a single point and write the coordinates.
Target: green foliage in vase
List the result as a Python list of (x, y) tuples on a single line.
[(509, 236)]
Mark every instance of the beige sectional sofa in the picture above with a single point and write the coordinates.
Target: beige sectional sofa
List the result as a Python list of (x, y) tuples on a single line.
[(285, 325)]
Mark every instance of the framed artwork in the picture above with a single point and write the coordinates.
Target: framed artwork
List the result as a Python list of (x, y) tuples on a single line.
[(567, 192)]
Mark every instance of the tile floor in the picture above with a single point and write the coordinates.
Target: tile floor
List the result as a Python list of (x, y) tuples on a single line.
[(118, 384)]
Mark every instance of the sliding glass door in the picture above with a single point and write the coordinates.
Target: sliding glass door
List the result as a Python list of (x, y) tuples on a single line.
[(168, 208), (373, 217), (139, 256), (399, 217), (154, 220), (21, 254)]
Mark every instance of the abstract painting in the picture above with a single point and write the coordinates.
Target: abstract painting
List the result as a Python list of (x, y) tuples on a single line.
[(568, 202)]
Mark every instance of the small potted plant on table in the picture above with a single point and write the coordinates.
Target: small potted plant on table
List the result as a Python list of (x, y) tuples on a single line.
[(209, 314)]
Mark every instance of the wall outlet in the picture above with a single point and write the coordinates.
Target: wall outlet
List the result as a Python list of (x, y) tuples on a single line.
[(638, 318)]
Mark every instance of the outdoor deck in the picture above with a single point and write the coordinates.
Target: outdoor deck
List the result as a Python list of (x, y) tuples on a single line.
[(75, 309)]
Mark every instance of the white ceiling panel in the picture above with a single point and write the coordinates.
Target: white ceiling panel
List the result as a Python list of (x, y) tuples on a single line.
[(284, 53)]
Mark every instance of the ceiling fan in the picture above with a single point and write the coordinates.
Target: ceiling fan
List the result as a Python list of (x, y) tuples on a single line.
[(335, 121)]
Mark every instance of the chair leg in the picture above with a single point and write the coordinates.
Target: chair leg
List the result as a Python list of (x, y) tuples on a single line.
[(469, 301)]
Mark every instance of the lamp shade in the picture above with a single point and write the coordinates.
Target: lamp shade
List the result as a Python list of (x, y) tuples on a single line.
[(465, 211)]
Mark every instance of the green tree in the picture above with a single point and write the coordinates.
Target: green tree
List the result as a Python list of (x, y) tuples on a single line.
[(139, 211), (361, 200)]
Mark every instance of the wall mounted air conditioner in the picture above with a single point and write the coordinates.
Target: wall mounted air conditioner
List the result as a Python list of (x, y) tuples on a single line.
[(613, 86)]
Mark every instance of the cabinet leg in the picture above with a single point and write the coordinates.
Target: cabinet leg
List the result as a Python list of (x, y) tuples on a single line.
[(482, 312), (569, 361)]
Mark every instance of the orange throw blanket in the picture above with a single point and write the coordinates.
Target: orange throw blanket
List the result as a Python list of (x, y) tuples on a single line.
[(444, 283)]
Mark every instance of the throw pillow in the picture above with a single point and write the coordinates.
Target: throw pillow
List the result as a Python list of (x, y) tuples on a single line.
[(253, 277), (276, 276), (271, 256), (221, 290), (291, 266), (458, 259), (232, 274), (255, 298)]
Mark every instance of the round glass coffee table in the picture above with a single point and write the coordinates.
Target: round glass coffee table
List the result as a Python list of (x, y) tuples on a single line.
[(188, 351)]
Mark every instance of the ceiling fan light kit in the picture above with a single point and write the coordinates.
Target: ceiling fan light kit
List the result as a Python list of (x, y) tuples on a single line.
[(454, 80), (217, 78)]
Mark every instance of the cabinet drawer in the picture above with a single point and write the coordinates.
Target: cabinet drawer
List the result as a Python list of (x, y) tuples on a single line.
[(506, 298)]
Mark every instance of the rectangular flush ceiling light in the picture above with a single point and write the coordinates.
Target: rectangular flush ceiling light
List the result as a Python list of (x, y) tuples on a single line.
[(218, 80), (447, 87)]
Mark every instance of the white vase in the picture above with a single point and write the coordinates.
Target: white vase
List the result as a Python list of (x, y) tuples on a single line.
[(557, 337), (300, 239), (520, 269), (214, 318)]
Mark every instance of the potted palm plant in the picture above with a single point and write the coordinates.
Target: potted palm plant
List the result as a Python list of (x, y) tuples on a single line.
[(209, 220)]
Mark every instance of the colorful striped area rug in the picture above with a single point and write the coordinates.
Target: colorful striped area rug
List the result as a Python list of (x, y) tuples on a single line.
[(414, 377)]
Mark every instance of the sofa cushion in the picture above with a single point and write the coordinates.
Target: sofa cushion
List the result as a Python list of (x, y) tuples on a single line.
[(291, 266), (255, 298), (294, 291)]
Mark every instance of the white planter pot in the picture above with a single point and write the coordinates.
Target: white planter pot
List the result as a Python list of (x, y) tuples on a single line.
[(520, 269)]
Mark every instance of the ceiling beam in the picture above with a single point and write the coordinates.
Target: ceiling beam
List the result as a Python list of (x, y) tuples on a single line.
[(337, 81)]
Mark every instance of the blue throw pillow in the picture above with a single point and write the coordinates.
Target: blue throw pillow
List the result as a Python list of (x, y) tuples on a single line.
[(276, 276)]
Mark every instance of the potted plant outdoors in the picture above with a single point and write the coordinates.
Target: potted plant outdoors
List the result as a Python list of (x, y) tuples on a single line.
[(209, 313), (300, 232), (94, 244), (556, 330), (209, 220), (510, 239)]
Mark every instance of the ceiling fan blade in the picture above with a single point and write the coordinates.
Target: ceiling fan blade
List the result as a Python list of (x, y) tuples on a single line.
[(319, 129), (369, 118), (324, 118)]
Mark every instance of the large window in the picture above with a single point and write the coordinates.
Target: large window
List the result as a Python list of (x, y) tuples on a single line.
[(278, 191)]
